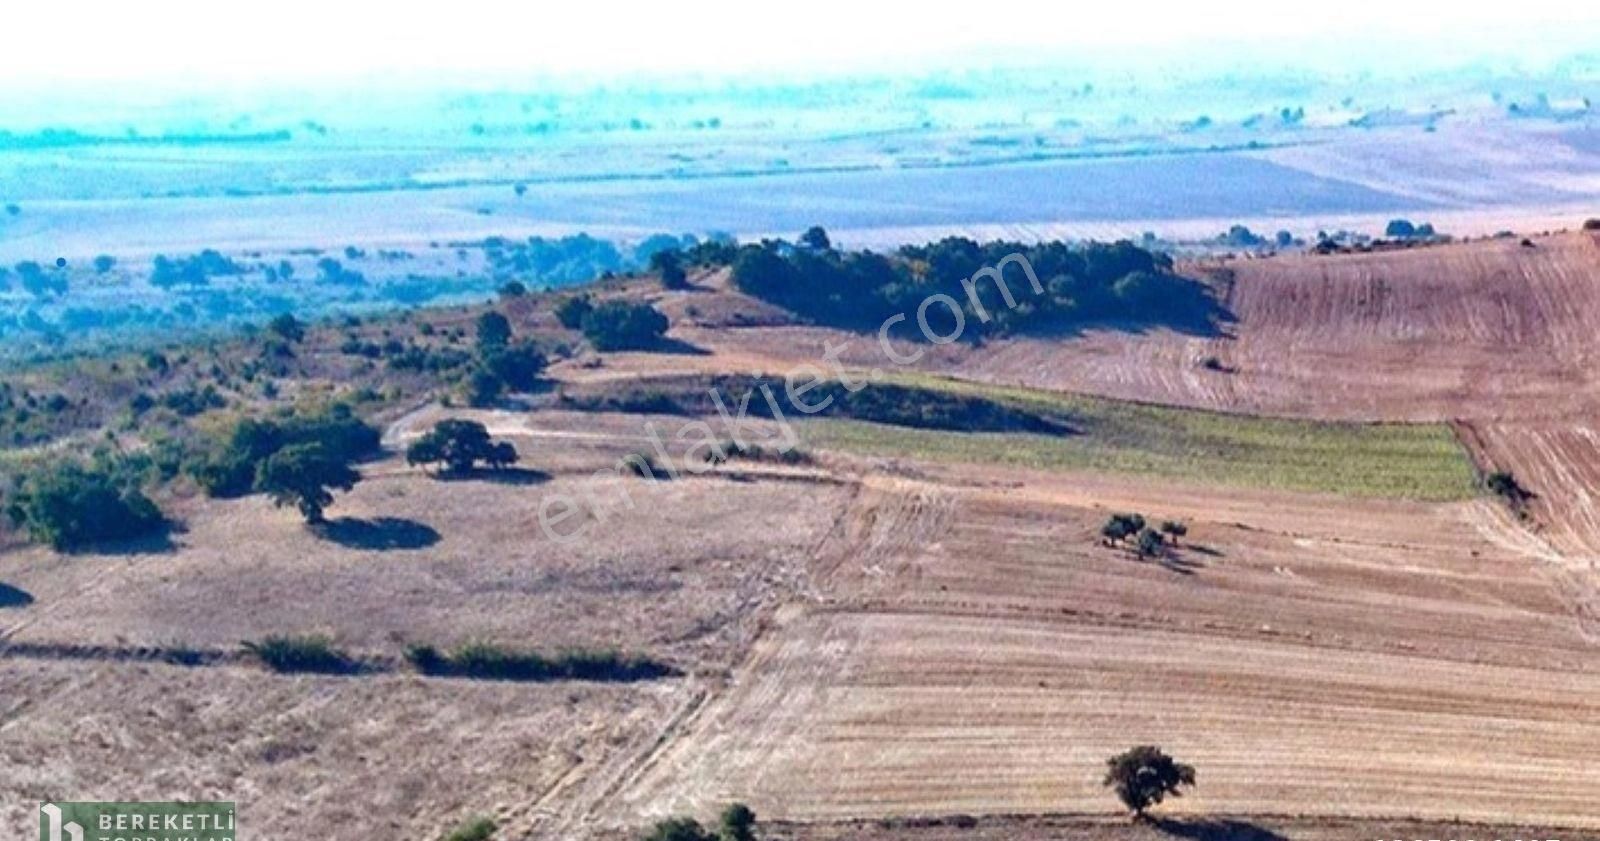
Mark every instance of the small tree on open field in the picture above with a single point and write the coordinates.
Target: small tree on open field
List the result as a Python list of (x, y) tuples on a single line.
[(1144, 776), (1174, 529), (305, 476), (1150, 543), (1120, 527), (459, 445)]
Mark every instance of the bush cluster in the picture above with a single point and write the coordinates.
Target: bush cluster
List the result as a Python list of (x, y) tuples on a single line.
[(231, 468), (493, 662), (68, 506)]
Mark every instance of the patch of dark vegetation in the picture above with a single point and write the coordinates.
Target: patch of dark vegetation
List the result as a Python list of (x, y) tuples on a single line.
[(193, 271), (1503, 484), (69, 507), (312, 654), (552, 261), (229, 468), (477, 829), (459, 445), (1144, 776), (644, 466), (382, 534), (624, 325), (733, 450), (1131, 531), (887, 403), (485, 661), (736, 823), (1051, 286)]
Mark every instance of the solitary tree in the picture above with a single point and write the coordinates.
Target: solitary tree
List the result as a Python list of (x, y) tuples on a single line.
[(494, 331), (816, 239), (459, 445), (1143, 776), (305, 475), (1175, 529), (1150, 543)]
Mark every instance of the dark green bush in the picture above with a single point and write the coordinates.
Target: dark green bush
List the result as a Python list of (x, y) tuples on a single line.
[(492, 662), (69, 507), (624, 325), (314, 654), (229, 470), (478, 829)]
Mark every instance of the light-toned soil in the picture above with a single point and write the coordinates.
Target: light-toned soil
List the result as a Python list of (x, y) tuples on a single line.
[(982, 653)]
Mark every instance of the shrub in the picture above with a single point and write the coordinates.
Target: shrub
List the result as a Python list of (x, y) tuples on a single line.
[(1591, 224), (1122, 526), (623, 325), (493, 331), (492, 662), (1143, 776), (301, 654), (68, 507), (1503, 484), (737, 823), (478, 829), (1174, 528), (1150, 543), (640, 464), (518, 366), (678, 829), (571, 311), (104, 263), (287, 327), (483, 388)]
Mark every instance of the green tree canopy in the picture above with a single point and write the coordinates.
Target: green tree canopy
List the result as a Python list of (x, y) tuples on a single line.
[(1144, 776), (305, 475)]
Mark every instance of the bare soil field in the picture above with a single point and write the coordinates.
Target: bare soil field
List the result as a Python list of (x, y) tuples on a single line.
[(981, 652)]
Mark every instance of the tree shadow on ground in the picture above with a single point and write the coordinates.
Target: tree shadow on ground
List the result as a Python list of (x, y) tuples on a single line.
[(1216, 830), (14, 597), (1179, 564), (382, 534), (503, 476), (676, 346), (157, 542)]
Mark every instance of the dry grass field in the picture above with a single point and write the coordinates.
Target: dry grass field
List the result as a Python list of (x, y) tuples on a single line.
[(1351, 640)]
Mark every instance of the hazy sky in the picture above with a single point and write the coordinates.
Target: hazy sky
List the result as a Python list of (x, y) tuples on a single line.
[(230, 42)]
